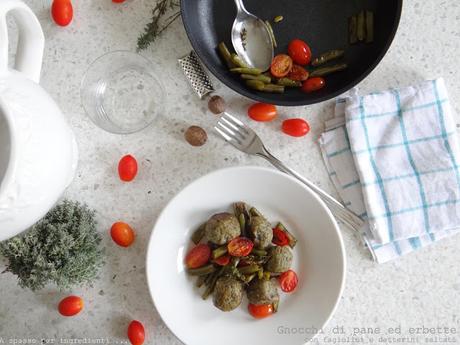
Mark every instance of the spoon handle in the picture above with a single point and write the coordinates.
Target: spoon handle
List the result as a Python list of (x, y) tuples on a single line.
[(240, 6)]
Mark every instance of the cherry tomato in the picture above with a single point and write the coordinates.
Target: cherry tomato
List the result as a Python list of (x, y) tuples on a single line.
[(295, 127), (299, 51), (122, 234), (260, 311), (70, 306), (240, 246), (62, 12), (127, 168), (279, 237), (223, 260), (281, 65), (313, 84), (136, 333), (288, 281), (262, 112), (298, 73), (118, 1), (198, 256)]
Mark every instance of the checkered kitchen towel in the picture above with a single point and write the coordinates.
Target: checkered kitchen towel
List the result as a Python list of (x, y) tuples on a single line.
[(394, 158)]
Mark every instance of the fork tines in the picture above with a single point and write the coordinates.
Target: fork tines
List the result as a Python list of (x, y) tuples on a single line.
[(230, 128)]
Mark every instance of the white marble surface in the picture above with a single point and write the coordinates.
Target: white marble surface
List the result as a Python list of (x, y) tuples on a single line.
[(422, 289)]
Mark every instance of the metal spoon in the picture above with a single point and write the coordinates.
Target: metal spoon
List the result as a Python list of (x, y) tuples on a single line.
[(251, 39)]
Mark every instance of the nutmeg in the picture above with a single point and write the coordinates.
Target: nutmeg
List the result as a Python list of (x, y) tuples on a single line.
[(217, 104), (196, 136)]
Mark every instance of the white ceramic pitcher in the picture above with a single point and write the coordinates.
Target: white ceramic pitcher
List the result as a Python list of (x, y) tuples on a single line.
[(38, 152)]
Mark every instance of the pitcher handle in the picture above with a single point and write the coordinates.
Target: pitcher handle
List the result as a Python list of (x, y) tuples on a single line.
[(31, 41)]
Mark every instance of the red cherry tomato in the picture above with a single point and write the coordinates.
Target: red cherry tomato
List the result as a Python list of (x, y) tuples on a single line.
[(62, 12), (281, 65), (262, 112), (298, 73), (313, 84), (240, 246), (127, 168), (122, 234), (118, 1), (288, 281), (198, 256), (299, 51), (136, 333), (260, 311), (70, 306), (295, 127), (223, 260), (279, 237)]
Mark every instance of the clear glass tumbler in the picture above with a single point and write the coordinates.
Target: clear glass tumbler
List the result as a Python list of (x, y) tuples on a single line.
[(121, 93)]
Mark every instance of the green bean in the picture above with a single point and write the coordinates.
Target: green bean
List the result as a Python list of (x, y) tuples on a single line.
[(248, 278), (259, 252), (201, 280), (234, 261), (198, 234), (288, 82), (210, 288), (271, 33), (241, 212), (260, 273), (272, 88), (258, 260), (201, 271), (274, 274), (253, 268), (245, 278), (261, 77), (352, 30), (239, 208), (255, 85), (225, 54), (209, 278), (219, 251), (361, 26), (369, 26), (327, 56), (232, 270), (291, 238), (212, 282), (242, 221), (246, 70), (320, 72), (238, 62), (260, 86), (275, 306)]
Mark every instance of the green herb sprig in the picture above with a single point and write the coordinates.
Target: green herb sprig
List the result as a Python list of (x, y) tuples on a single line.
[(63, 248), (155, 28)]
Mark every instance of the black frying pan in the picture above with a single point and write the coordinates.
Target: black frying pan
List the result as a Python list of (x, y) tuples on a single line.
[(323, 24)]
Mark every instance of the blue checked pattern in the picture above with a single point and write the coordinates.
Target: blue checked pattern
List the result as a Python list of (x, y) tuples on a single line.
[(400, 169)]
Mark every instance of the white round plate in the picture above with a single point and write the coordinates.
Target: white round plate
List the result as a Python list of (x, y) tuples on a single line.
[(319, 260)]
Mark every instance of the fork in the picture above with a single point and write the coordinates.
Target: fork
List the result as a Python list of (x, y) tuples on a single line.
[(246, 140)]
